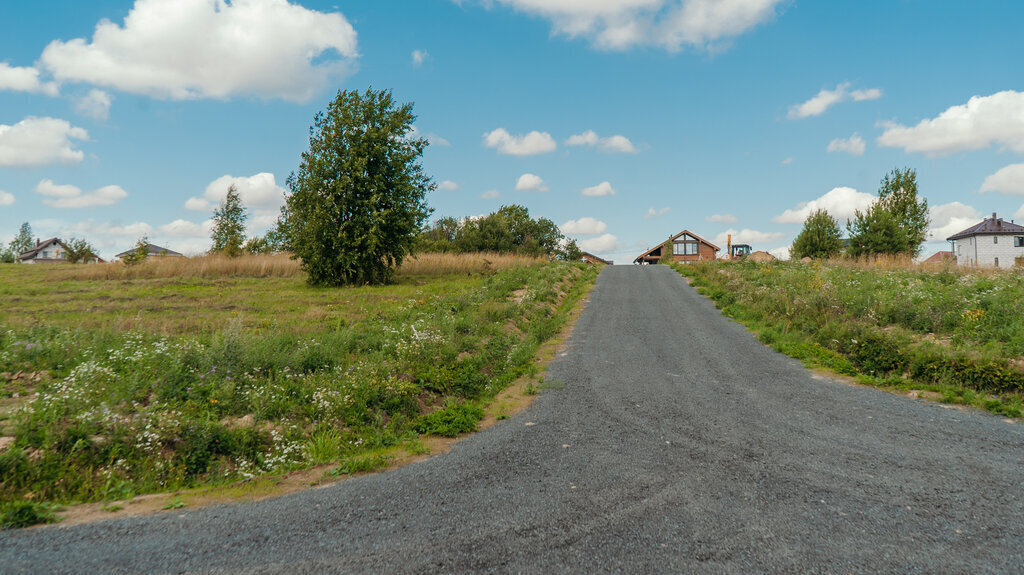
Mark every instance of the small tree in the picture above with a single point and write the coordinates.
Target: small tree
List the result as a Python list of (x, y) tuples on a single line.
[(229, 225), (666, 252), (257, 245), (874, 232), (820, 237), (78, 251), (898, 195), (139, 254), (23, 241), (7, 255), (358, 198)]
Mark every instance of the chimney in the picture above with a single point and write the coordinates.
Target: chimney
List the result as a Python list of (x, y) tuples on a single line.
[(37, 242), (993, 215)]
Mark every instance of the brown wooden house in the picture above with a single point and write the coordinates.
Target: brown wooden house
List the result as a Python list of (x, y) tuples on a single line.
[(589, 258), (686, 247)]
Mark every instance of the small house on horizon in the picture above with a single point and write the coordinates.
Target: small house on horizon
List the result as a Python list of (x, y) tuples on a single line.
[(152, 251), (991, 243), (686, 247), (51, 251)]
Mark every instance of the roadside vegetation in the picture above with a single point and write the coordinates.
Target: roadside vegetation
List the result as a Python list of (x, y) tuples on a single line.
[(120, 380), (951, 334)]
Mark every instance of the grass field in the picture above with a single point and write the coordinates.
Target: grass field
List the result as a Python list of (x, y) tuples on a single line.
[(955, 334), (120, 381)]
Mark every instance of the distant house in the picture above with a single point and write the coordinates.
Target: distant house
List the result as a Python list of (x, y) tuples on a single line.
[(594, 260), (991, 243), (686, 247), (52, 251), (152, 250), (940, 258)]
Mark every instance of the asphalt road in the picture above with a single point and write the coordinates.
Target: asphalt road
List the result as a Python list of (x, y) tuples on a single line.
[(676, 444)]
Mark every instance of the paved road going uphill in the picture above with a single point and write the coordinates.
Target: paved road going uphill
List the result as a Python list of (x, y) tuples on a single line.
[(677, 444)]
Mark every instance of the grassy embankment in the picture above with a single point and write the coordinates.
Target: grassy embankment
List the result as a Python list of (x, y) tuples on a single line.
[(950, 334), (120, 381)]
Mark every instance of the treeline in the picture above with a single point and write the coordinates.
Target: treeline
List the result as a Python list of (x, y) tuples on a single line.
[(508, 230)]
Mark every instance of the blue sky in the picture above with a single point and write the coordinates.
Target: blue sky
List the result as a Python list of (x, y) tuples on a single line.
[(623, 121)]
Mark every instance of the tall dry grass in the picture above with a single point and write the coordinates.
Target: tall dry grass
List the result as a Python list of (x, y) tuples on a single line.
[(279, 265)]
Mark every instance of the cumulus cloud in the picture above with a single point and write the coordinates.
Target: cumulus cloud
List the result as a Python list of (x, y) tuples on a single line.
[(721, 219), (781, 252), (854, 145), (746, 236), (787, 161), (584, 227), (1008, 180), (434, 139), (259, 193), (602, 189), (189, 49), (612, 144), (601, 244), (668, 24), (35, 142), (980, 123), (185, 229), (840, 203), (531, 144), (66, 196), (95, 104), (530, 183), (448, 186), (6, 199), (25, 80), (653, 213), (419, 57), (491, 195), (949, 219), (825, 99)]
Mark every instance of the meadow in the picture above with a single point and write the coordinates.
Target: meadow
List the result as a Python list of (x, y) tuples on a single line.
[(124, 380), (947, 333)]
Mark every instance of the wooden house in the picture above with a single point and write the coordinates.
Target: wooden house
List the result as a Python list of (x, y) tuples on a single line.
[(589, 258), (686, 247)]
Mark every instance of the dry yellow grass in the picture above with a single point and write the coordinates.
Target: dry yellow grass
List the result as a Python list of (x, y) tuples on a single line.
[(278, 265)]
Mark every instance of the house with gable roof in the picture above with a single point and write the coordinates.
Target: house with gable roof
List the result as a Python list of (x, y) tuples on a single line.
[(991, 243), (686, 247)]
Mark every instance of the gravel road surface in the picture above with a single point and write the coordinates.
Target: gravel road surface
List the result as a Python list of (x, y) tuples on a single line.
[(672, 442)]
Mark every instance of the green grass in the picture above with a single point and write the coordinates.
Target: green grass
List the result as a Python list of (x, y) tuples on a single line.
[(957, 332), (154, 385)]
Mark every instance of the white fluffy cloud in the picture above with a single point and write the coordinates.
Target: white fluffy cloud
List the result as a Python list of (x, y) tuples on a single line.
[(259, 193), (448, 186), (491, 195), (840, 203), (584, 227), (653, 213), (35, 142), (66, 196), (25, 80), (721, 219), (746, 236), (185, 229), (668, 24), (854, 145), (602, 189), (531, 144), (825, 99), (6, 199), (982, 122), (949, 219), (95, 104), (781, 252), (189, 49), (1008, 180), (787, 161), (612, 144), (419, 57), (601, 244), (531, 183)]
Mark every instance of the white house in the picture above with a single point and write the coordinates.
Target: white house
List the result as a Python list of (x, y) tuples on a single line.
[(992, 243), (45, 252)]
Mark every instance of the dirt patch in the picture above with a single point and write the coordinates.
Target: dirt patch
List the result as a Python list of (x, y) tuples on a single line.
[(518, 295), (923, 394)]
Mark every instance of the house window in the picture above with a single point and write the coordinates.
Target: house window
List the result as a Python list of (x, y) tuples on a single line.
[(684, 249), (1018, 241), (46, 254), (995, 239), (997, 262)]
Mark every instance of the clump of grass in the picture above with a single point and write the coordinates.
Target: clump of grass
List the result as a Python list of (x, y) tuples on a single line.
[(452, 420), (364, 463), (175, 503), (23, 513)]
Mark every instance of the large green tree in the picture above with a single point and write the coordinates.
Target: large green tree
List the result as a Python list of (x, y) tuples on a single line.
[(820, 237), (874, 232), (897, 194), (228, 232), (78, 251), (23, 242), (358, 199)]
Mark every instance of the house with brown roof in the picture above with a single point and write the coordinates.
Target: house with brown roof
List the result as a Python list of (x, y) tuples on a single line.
[(686, 247), (991, 243), (51, 251), (589, 258)]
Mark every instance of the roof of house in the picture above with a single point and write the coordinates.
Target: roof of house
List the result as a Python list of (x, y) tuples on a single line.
[(32, 253), (590, 256), (938, 257), (989, 227), (673, 238), (152, 250)]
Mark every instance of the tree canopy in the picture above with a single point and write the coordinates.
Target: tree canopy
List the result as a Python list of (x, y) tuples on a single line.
[(78, 251), (228, 232), (819, 238), (875, 232), (358, 199), (23, 242), (897, 194), (508, 230)]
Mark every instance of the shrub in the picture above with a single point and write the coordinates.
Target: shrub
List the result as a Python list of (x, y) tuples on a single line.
[(450, 421)]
